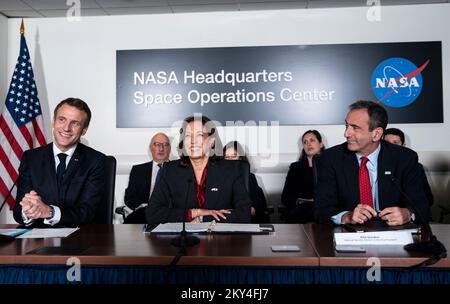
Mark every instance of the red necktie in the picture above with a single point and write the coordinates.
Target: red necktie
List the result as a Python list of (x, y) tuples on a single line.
[(365, 191)]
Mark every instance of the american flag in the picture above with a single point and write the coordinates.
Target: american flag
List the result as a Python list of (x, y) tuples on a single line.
[(21, 126)]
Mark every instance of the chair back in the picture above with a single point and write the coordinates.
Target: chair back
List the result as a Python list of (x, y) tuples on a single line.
[(244, 168), (104, 214)]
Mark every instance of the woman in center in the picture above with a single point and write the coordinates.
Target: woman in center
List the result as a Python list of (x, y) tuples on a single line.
[(200, 186)]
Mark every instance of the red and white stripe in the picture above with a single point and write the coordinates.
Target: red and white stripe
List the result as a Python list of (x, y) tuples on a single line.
[(13, 142)]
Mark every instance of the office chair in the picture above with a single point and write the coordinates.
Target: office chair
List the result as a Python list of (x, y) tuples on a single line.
[(445, 210), (104, 214)]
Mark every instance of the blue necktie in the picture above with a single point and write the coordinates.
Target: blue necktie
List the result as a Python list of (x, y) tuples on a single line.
[(158, 175)]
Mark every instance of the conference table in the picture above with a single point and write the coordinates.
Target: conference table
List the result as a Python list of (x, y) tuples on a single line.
[(109, 254)]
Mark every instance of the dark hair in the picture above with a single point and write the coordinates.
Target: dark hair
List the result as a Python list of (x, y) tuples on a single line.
[(319, 138), (236, 146), (210, 129), (378, 117), (396, 132), (76, 103)]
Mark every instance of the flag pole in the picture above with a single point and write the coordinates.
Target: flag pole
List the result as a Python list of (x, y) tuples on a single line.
[(22, 28)]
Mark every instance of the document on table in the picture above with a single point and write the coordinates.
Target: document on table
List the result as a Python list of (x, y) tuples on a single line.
[(382, 238), (13, 232), (208, 227), (38, 233)]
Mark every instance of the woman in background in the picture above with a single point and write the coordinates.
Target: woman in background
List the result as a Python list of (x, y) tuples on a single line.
[(234, 151), (298, 191)]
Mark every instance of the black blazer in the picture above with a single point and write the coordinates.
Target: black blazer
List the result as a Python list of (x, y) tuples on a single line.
[(224, 190), (258, 201), (83, 183), (299, 183), (338, 187), (138, 190)]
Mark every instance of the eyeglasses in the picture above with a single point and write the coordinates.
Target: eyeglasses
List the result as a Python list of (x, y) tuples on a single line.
[(161, 145)]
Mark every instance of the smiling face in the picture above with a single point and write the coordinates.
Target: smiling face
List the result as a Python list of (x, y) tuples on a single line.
[(68, 125), (197, 143), (359, 137), (311, 144)]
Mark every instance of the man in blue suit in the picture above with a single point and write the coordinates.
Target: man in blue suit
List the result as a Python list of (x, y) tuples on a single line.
[(367, 177), (61, 184)]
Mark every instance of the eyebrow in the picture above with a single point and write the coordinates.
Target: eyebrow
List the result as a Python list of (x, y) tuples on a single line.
[(352, 125)]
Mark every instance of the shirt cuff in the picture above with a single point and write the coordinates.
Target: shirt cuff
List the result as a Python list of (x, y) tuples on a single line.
[(26, 221), (337, 219), (56, 217)]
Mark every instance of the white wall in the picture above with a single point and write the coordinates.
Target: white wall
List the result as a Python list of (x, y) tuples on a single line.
[(78, 59)]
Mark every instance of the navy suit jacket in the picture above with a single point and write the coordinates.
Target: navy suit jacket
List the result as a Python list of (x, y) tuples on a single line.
[(338, 184), (225, 189), (82, 184), (138, 190)]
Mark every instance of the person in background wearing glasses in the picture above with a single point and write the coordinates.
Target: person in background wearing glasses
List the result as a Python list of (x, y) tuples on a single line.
[(201, 186), (144, 177)]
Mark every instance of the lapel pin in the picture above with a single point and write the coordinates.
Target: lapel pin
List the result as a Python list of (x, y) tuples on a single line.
[(387, 172), (214, 189)]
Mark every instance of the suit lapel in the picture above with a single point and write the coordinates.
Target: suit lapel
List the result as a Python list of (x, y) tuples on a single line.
[(385, 173), (74, 164), (72, 167), (50, 169), (351, 173), (212, 187)]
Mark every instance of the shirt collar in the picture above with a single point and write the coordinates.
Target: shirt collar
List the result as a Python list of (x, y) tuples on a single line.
[(69, 152), (373, 157)]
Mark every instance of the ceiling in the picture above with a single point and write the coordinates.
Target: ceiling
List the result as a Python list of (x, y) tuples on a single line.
[(59, 8)]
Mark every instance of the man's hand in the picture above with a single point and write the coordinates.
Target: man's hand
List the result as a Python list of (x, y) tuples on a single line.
[(361, 214), (217, 214), (34, 207), (395, 216)]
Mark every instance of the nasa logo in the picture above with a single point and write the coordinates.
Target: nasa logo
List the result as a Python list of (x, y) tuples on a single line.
[(397, 82)]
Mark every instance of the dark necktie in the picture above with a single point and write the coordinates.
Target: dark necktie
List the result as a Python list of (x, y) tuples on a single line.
[(158, 175), (61, 169), (365, 191)]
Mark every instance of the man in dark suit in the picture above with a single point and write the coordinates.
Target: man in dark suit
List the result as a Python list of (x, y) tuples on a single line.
[(143, 178), (367, 177), (397, 137), (61, 184)]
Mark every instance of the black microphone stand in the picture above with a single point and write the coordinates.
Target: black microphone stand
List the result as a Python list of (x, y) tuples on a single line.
[(6, 238), (184, 240), (428, 242)]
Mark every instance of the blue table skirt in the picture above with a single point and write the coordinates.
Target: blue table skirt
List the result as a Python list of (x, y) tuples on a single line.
[(93, 274)]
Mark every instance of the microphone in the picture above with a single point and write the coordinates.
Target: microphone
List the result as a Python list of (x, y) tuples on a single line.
[(432, 245), (184, 240), (6, 238)]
